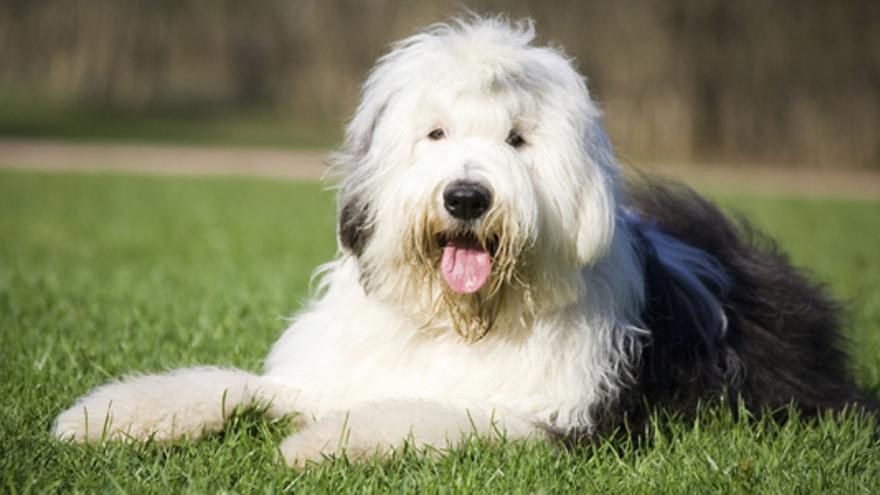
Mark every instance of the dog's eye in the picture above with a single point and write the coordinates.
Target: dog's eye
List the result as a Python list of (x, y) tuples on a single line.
[(515, 140), (436, 134)]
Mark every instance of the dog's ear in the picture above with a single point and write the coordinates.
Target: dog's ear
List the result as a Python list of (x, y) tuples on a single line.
[(354, 226), (354, 229), (597, 201)]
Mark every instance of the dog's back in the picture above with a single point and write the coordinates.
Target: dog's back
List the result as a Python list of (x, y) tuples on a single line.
[(781, 341)]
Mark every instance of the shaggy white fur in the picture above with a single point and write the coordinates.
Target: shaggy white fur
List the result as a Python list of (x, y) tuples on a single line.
[(387, 351)]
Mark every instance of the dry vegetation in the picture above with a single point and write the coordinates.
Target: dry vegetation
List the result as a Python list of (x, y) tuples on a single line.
[(682, 80)]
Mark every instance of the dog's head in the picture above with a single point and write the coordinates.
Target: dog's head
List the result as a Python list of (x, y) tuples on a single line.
[(475, 176)]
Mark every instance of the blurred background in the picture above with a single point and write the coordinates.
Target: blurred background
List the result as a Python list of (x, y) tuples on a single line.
[(699, 82)]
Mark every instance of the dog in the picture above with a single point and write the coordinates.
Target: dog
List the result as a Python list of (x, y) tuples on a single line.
[(498, 277)]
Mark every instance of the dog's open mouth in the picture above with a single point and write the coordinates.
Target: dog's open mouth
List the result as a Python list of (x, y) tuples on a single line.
[(466, 264)]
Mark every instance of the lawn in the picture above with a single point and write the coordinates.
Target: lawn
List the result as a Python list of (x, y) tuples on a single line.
[(106, 275)]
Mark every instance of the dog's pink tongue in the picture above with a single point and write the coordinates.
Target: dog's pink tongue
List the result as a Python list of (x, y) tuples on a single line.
[(465, 266)]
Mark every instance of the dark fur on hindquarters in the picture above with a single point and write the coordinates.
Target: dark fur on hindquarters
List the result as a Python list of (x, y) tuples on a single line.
[(782, 344)]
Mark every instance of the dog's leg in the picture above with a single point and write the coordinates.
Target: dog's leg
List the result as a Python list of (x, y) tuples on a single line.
[(185, 402), (375, 429)]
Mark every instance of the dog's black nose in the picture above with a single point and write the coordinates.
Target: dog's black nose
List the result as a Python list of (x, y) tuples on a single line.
[(466, 200)]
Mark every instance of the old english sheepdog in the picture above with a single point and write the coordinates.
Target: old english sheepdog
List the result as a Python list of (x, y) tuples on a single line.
[(496, 276)]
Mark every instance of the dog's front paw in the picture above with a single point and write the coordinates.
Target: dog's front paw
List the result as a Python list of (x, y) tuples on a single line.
[(300, 449), (94, 419), (331, 437), (138, 409)]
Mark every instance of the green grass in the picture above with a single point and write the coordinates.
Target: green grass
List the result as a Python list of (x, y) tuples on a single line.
[(106, 275), (24, 117)]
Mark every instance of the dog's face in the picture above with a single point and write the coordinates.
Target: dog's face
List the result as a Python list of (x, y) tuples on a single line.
[(475, 177)]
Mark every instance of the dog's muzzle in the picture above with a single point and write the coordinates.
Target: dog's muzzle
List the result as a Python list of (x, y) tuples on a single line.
[(466, 264)]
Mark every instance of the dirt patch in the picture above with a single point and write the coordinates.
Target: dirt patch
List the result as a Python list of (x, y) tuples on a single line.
[(162, 159), (811, 182)]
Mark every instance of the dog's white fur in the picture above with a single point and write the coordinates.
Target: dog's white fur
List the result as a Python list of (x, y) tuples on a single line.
[(376, 359)]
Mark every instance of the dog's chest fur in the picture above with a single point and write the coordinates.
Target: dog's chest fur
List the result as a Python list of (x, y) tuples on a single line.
[(346, 349)]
